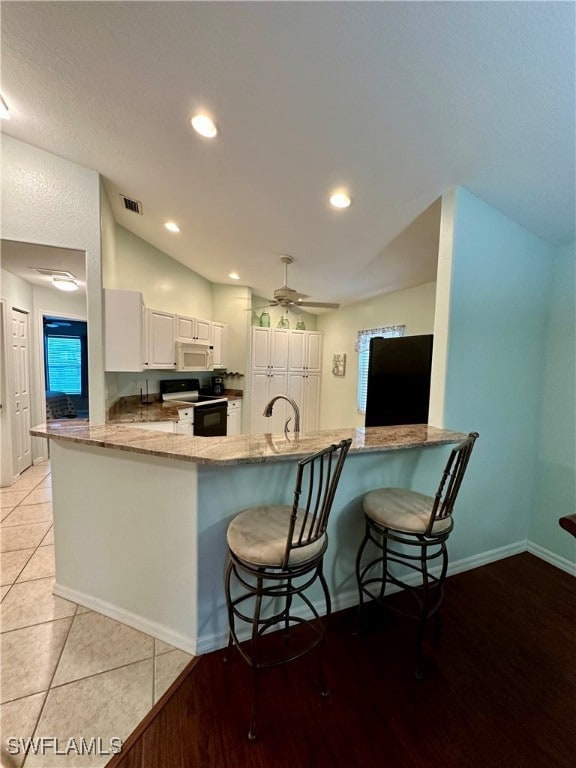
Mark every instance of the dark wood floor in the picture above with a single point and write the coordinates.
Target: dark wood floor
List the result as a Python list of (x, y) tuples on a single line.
[(500, 693)]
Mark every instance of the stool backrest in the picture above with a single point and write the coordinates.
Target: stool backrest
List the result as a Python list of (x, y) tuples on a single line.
[(451, 480), (316, 483)]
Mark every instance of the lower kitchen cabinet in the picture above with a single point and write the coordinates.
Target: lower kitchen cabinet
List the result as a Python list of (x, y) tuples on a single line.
[(265, 386), (234, 417), (304, 389)]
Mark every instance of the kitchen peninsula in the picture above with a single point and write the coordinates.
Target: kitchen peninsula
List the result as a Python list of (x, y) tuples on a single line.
[(140, 517)]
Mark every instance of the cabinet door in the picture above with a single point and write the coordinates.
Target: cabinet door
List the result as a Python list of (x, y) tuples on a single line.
[(184, 328), (279, 349), (313, 352), (260, 395), (234, 418), (297, 354), (278, 386), (297, 390), (203, 331), (219, 343), (312, 403), (124, 331), (260, 349), (161, 352)]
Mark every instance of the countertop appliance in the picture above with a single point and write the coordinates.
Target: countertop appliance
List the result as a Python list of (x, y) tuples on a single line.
[(217, 385), (200, 415), (399, 380)]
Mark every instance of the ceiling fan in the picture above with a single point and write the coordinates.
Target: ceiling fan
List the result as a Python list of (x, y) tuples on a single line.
[(289, 299)]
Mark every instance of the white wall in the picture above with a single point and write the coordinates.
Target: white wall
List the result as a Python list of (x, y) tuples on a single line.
[(413, 307), (37, 301), (51, 201), (135, 265)]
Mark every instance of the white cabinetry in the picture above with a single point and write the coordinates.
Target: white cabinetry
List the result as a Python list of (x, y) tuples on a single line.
[(124, 331), (219, 334), (160, 330), (193, 330), (234, 426), (304, 389), (285, 362), (305, 351), (136, 338), (269, 349), (265, 386)]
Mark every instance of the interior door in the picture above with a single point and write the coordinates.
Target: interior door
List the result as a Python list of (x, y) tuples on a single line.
[(21, 392)]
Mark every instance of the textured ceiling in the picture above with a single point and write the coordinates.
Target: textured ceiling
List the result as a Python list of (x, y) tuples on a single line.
[(397, 101)]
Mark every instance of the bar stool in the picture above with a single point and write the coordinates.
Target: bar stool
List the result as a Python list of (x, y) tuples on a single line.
[(411, 529), (276, 553)]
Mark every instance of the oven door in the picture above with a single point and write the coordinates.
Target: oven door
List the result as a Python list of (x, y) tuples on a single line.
[(210, 420)]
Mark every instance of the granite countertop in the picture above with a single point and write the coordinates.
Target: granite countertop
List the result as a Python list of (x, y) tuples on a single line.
[(244, 449), (130, 410)]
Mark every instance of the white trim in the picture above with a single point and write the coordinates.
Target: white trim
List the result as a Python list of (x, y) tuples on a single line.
[(159, 631), (551, 557), (349, 598)]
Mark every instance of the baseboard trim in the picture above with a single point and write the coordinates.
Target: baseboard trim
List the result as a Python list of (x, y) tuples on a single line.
[(551, 557), (349, 598), (159, 631)]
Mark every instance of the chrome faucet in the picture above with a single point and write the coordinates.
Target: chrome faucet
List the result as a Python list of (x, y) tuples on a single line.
[(268, 412)]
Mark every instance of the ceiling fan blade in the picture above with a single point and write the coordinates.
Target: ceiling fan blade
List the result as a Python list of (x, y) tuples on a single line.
[(321, 304), (263, 306)]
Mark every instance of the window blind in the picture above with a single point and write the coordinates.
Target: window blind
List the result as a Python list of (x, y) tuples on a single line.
[(64, 364), (363, 348)]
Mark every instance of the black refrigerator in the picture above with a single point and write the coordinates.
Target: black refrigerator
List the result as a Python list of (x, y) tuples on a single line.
[(399, 381)]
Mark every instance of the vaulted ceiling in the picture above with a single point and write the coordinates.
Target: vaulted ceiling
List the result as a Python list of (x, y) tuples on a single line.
[(395, 101)]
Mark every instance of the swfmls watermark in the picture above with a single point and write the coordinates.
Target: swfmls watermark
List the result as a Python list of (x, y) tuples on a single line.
[(52, 745)]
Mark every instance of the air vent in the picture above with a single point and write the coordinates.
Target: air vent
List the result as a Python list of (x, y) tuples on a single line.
[(53, 273), (132, 205)]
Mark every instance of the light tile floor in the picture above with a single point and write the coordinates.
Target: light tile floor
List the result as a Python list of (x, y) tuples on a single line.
[(66, 672)]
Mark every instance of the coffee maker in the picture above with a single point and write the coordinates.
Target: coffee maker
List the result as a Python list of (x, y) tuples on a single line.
[(217, 385)]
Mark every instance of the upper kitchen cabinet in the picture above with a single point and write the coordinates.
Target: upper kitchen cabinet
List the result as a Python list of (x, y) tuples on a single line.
[(269, 349), (160, 331), (219, 335), (137, 338), (124, 331), (305, 351), (193, 330)]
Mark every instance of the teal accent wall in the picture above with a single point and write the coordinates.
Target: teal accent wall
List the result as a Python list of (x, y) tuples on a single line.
[(500, 296), (555, 485)]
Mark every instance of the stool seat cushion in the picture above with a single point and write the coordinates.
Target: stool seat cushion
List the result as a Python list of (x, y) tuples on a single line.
[(402, 510), (258, 535)]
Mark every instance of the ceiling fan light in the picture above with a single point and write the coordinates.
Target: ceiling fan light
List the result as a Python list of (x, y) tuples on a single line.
[(340, 200), (171, 226), (203, 125), (64, 285)]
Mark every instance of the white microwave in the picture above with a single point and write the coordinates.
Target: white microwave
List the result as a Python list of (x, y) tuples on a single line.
[(194, 357)]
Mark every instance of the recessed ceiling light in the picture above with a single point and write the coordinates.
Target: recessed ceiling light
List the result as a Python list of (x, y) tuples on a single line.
[(4, 111), (171, 226), (340, 200), (64, 285), (234, 276), (203, 125)]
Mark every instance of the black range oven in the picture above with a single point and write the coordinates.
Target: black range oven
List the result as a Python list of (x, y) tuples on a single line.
[(210, 419), (205, 415)]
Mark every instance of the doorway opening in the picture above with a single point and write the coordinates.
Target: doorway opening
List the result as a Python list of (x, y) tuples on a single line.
[(65, 367)]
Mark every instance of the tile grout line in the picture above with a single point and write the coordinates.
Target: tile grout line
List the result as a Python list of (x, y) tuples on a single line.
[(35, 548), (42, 708)]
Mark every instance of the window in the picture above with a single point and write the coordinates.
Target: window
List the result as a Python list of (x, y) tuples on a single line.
[(363, 349), (64, 364)]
